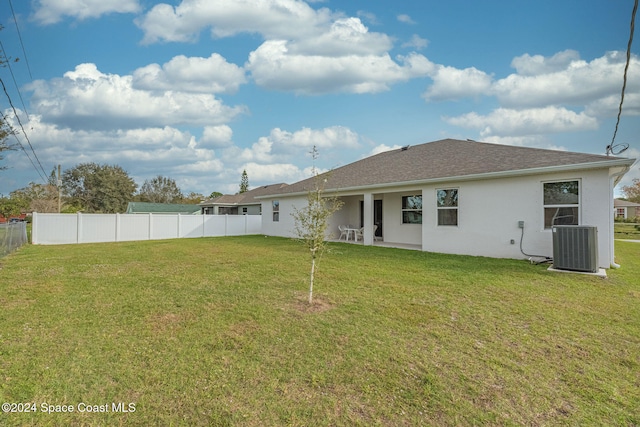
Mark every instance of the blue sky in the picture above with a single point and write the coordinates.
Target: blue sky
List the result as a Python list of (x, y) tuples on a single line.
[(199, 90)]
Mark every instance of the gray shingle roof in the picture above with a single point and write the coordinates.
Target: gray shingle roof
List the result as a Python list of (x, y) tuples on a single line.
[(246, 198), (617, 203), (447, 158)]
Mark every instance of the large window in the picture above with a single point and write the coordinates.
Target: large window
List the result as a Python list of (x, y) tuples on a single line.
[(447, 206), (561, 203), (412, 209), (276, 210)]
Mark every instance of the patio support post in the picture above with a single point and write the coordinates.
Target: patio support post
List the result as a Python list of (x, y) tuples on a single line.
[(368, 219)]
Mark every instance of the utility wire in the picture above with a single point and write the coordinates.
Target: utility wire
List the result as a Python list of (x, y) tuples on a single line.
[(4, 54), (26, 60), (4, 118), (626, 67), (24, 132)]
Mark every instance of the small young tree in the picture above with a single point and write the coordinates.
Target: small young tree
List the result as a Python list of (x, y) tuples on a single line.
[(312, 220)]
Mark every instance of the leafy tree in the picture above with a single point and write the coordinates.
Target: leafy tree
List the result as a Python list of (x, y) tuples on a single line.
[(632, 192), (244, 182), (215, 194), (98, 188), (160, 190), (193, 198), (12, 206), (5, 145), (312, 220), (41, 198)]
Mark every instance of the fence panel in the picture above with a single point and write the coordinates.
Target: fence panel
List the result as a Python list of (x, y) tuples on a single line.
[(215, 226), (165, 226), (192, 225), (12, 236), (97, 228), (52, 229), (133, 227)]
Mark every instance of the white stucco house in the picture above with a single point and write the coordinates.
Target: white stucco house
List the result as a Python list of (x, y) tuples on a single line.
[(465, 197)]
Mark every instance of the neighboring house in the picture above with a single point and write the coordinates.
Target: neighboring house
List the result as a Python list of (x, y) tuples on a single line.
[(21, 217), (625, 209), (239, 204), (465, 197), (162, 208)]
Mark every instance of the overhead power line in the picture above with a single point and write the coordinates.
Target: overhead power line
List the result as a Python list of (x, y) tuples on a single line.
[(624, 78), (24, 52), (8, 62), (15, 112)]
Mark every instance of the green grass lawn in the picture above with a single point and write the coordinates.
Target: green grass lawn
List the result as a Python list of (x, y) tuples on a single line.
[(216, 331), (624, 230)]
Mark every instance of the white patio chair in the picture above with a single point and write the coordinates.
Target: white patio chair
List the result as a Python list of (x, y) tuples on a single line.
[(343, 232), (375, 228), (358, 233)]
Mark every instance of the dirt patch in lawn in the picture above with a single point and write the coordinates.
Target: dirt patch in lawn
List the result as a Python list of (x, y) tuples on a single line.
[(319, 303)]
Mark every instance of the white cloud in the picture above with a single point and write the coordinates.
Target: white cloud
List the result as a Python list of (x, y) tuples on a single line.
[(282, 146), (273, 173), (507, 122), (332, 137), (609, 106), (216, 136), (565, 79), (89, 99), (416, 42), (195, 74), (382, 148), (527, 65), (406, 19), (345, 37), (273, 66), (271, 18), (53, 11), (453, 83)]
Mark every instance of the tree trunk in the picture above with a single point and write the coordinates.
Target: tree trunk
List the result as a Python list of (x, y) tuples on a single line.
[(313, 269)]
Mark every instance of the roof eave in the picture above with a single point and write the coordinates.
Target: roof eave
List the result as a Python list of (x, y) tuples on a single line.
[(628, 163)]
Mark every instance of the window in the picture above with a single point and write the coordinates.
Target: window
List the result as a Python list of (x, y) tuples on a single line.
[(412, 209), (561, 203), (245, 211), (447, 206), (620, 213), (276, 210)]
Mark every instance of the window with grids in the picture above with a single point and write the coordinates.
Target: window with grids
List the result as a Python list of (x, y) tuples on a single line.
[(412, 209), (276, 210), (447, 201), (561, 203)]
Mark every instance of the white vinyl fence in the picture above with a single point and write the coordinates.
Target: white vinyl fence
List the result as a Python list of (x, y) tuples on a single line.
[(58, 229)]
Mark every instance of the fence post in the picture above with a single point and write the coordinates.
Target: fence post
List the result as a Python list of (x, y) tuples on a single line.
[(150, 224), (117, 227), (34, 228), (79, 229), (179, 226)]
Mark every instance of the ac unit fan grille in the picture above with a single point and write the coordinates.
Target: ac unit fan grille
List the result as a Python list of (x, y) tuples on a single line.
[(575, 248)]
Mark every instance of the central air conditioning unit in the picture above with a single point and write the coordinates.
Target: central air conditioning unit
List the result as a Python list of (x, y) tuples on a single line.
[(575, 247)]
